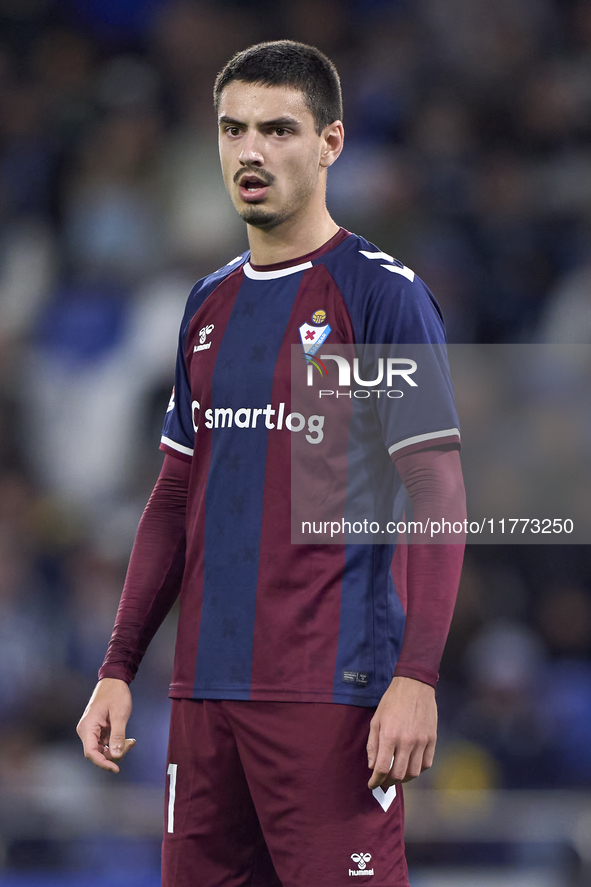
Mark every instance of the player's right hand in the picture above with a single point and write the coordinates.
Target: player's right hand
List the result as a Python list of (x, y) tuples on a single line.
[(102, 726)]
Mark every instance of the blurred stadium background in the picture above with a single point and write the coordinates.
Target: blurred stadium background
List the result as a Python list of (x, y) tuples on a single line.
[(468, 156)]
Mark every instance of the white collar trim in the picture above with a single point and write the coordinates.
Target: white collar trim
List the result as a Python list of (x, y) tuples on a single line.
[(273, 275)]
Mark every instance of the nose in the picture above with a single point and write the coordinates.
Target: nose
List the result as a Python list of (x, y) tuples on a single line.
[(251, 149)]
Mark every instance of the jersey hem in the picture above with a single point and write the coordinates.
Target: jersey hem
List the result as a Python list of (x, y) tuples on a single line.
[(343, 698)]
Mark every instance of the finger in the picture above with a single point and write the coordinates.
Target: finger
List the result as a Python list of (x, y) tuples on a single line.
[(93, 737), (429, 755), (94, 749), (98, 758), (415, 765), (372, 743), (399, 768), (382, 766), (117, 741), (111, 755)]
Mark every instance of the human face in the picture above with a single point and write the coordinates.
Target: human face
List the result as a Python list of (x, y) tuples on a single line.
[(270, 152)]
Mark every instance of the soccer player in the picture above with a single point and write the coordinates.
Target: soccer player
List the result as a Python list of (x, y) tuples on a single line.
[(297, 666)]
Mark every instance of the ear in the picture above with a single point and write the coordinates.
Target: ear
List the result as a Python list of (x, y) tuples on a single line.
[(333, 137)]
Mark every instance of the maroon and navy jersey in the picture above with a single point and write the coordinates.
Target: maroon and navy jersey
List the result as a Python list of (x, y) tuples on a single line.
[(262, 618)]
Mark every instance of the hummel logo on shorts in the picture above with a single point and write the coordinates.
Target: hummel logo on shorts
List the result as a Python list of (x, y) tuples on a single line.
[(361, 859)]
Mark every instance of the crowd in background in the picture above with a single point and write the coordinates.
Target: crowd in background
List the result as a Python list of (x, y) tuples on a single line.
[(468, 156)]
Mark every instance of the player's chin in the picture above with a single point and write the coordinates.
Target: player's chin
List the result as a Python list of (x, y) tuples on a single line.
[(258, 217)]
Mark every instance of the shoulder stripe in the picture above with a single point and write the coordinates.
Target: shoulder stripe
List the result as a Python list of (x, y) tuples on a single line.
[(419, 438), (395, 269), (372, 254), (398, 268), (273, 275), (176, 446)]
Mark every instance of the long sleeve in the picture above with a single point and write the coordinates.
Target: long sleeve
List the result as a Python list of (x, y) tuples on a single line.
[(433, 479), (154, 574)]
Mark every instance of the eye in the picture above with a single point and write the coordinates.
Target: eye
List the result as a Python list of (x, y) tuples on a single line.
[(232, 130)]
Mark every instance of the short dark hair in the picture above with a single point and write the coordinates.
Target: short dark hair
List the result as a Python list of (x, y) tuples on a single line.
[(287, 63)]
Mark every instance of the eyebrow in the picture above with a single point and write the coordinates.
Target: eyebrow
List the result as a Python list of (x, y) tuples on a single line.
[(278, 121)]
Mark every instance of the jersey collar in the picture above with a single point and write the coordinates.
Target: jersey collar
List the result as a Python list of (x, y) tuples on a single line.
[(282, 269)]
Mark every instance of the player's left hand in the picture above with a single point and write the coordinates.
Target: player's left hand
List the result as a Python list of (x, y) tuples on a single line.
[(403, 733)]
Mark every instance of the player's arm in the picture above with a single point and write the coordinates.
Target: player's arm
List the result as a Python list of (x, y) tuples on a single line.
[(403, 730), (151, 587)]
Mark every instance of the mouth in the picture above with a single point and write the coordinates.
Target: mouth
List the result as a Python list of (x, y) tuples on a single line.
[(252, 188)]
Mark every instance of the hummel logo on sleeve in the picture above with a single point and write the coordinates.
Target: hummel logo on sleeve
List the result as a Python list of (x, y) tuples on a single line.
[(203, 334)]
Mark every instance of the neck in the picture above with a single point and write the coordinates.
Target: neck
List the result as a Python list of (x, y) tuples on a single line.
[(290, 239)]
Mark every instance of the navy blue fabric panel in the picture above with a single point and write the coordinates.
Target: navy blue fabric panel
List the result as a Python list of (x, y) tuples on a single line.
[(371, 626), (390, 633), (428, 408), (372, 618), (385, 306), (391, 310), (178, 423), (242, 379), (178, 426), (361, 667)]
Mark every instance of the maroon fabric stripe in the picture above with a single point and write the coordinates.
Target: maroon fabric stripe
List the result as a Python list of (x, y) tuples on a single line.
[(154, 574), (299, 586), (433, 479), (216, 309)]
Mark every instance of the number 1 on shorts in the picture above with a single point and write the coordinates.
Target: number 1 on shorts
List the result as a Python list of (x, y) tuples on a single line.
[(171, 796)]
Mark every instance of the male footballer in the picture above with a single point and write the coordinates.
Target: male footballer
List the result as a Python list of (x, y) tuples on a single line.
[(303, 686)]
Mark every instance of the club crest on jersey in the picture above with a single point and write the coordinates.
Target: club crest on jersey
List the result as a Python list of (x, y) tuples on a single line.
[(313, 336)]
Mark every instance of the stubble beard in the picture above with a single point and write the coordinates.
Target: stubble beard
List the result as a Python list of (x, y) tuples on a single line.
[(259, 217)]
